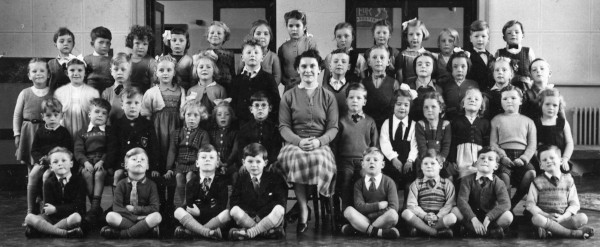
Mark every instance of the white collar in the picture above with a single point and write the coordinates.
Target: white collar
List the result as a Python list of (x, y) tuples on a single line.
[(257, 177), (496, 87), (377, 177), (479, 175), (68, 177), (404, 120), (476, 50), (342, 80), (55, 128), (40, 92), (96, 54), (420, 50), (252, 72), (91, 126), (548, 175), (303, 85)]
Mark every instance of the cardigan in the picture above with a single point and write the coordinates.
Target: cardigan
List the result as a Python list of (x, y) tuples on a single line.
[(491, 200), (148, 201), (287, 52), (45, 140)]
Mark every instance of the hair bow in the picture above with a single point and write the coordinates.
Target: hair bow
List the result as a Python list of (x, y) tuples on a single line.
[(166, 37), (458, 49), (405, 24), (413, 93), (219, 101), (78, 57)]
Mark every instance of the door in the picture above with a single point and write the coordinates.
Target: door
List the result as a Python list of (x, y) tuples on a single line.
[(155, 18)]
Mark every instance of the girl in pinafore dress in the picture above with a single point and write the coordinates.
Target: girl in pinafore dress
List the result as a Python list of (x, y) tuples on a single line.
[(207, 90)]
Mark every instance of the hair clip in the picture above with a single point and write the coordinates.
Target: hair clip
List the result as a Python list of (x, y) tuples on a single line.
[(413, 93), (166, 37), (458, 49), (405, 24), (219, 101)]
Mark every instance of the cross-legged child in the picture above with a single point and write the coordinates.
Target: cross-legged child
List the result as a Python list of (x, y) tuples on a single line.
[(64, 197), (375, 210), (99, 62)]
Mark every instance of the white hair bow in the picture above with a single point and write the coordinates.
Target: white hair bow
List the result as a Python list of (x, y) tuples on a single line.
[(413, 93), (458, 49), (219, 101), (166, 37), (78, 57), (405, 24)]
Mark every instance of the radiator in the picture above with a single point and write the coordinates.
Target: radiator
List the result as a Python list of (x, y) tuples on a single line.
[(586, 126)]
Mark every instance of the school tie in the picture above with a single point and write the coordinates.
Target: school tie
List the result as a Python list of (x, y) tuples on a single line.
[(205, 185), (431, 183), (372, 186), (133, 198), (255, 184), (356, 118), (336, 84), (119, 89), (554, 181), (379, 76), (63, 183), (484, 181), (511, 46), (398, 136)]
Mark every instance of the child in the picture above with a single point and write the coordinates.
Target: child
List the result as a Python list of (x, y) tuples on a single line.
[(414, 32), (120, 69), (380, 87), (223, 133), (206, 210), (183, 149), (470, 133), (135, 204), (343, 34), (64, 41), (90, 147), (382, 32), (251, 80), (375, 210), (552, 128), (178, 41), (258, 198), (480, 58), (426, 70), (504, 69), (299, 42), (45, 139), (337, 83), (431, 204), (207, 90), (64, 197), (356, 132), (217, 34), (261, 30), (512, 33), (75, 97), (540, 73), (99, 76), (143, 65), (448, 41), (553, 201), (482, 198), (433, 132), (513, 137), (455, 87), (28, 110)]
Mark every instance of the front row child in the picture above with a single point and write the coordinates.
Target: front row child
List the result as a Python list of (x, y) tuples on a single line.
[(375, 210), (64, 196), (135, 203), (552, 200)]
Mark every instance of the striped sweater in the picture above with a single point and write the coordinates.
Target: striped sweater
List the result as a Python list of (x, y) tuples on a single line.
[(423, 199)]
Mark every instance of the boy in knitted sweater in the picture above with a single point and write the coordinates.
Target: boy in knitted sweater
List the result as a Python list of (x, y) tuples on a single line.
[(375, 210), (553, 202), (99, 61)]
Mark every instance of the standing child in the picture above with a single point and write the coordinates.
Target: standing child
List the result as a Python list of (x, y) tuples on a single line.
[(178, 41), (414, 32), (503, 72), (481, 58), (375, 210), (336, 81), (261, 30), (135, 204), (217, 34), (382, 32), (448, 41), (143, 65), (343, 34), (75, 97), (205, 212), (299, 42), (380, 86), (207, 90), (455, 87), (99, 76), (426, 70), (223, 133), (552, 128), (434, 132), (64, 41), (553, 201), (513, 137), (512, 33), (540, 73), (64, 197), (120, 69)]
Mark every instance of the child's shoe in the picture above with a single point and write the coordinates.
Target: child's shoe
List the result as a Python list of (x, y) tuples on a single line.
[(391, 233), (31, 232), (155, 232), (75, 233), (237, 234), (496, 232), (275, 233), (445, 233), (542, 233), (413, 232), (348, 230), (588, 232), (216, 234), (110, 233), (182, 233)]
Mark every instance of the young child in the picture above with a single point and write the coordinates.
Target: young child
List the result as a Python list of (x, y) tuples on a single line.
[(135, 204), (222, 133), (28, 110), (426, 70), (540, 74), (64, 41), (470, 133), (512, 33), (299, 42), (513, 136), (143, 65), (45, 139), (258, 198), (183, 149), (553, 201), (64, 197), (344, 34), (75, 97), (120, 69), (99, 62), (336, 81), (253, 79), (207, 90), (431, 203), (433, 132), (375, 210), (380, 87), (382, 32), (205, 213), (178, 41), (503, 71), (261, 30), (217, 34), (482, 199), (90, 147), (448, 41), (455, 87), (414, 32), (480, 58)]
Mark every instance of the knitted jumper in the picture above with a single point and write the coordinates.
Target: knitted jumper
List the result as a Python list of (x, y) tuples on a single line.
[(553, 199)]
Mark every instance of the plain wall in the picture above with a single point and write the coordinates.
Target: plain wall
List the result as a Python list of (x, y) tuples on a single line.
[(187, 12)]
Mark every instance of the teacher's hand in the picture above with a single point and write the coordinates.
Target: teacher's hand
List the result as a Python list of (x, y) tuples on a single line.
[(307, 144)]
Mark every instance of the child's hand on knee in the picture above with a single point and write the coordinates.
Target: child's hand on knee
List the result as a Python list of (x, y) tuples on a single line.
[(99, 166), (479, 228), (383, 205), (88, 166), (49, 209), (168, 174), (194, 211), (519, 162), (129, 208), (505, 161), (397, 164), (408, 167), (155, 174), (486, 223)]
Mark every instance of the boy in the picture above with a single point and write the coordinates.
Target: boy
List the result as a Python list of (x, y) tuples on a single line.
[(375, 200), (206, 198), (64, 41), (135, 204), (251, 80), (99, 62), (338, 83), (357, 132), (480, 71), (64, 197), (120, 69), (483, 199), (540, 74), (258, 198), (431, 203), (90, 151), (553, 201)]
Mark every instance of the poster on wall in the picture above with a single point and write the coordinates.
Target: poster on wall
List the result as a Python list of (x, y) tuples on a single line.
[(366, 17)]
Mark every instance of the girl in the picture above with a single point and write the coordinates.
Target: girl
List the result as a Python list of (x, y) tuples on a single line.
[(513, 136), (552, 128), (344, 36), (540, 74), (448, 40), (207, 90), (414, 32), (295, 22), (433, 132), (178, 41), (426, 70), (512, 33), (143, 65), (470, 132), (261, 31), (503, 71), (217, 34), (222, 135), (75, 97), (28, 109), (184, 145), (455, 87), (382, 32)]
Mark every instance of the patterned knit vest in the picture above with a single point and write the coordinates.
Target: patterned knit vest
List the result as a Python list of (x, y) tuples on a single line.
[(431, 199), (553, 199)]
